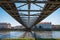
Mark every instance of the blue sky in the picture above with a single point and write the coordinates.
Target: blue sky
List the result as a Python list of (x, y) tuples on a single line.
[(54, 18), (6, 18)]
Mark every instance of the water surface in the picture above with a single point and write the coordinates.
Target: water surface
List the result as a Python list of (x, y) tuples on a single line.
[(18, 34)]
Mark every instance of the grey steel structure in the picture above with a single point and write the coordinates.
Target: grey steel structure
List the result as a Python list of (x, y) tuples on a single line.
[(28, 17)]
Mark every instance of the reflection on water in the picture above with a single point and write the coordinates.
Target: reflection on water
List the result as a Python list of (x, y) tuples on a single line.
[(44, 34), (56, 34), (11, 34), (18, 34)]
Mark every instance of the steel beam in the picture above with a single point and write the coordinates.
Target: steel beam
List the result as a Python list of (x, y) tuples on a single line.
[(49, 2)]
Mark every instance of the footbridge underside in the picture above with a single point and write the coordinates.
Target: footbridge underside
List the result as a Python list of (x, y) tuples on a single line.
[(29, 12)]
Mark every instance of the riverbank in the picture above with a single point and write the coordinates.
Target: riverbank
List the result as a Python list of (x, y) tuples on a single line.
[(30, 39)]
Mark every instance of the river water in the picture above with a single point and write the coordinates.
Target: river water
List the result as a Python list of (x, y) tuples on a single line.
[(41, 34)]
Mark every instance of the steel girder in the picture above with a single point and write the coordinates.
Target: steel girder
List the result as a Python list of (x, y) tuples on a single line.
[(10, 7)]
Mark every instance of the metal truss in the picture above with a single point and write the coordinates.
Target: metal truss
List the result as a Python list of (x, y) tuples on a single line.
[(30, 16)]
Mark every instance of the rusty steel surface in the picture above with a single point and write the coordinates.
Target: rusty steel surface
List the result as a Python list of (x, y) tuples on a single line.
[(29, 19)]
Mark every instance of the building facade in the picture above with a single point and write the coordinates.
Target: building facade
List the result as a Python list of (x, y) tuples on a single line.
[(18, 27), (44, 25), (5, 25), (56, 27)]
